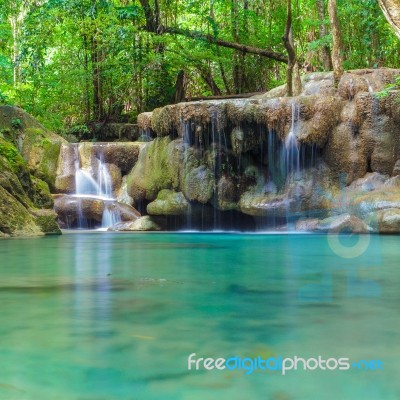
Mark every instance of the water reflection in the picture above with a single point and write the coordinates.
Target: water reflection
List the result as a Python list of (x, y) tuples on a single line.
[(115, 316)]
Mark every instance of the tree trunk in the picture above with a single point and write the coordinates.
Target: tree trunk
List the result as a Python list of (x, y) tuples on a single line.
[(326, 52), (16, 69), (288, 43), (337, 58), (87, 76), (179, 95), (391, 10), (209, 80), (96, 81)]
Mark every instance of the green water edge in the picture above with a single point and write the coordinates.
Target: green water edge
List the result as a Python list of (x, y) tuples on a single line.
[(111, 316)]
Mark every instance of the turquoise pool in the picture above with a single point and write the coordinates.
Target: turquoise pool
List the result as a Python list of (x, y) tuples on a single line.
[(115, 316)]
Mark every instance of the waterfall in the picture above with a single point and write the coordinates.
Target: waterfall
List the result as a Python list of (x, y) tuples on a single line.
[(84, 183), (105, 181), (292, 153), (370, 89), (110, 216), (86, 186)]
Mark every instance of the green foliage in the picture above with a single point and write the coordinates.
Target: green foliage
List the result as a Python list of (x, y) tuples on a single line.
[(76, 61), (389, 88), (16, 123), (3, 98)]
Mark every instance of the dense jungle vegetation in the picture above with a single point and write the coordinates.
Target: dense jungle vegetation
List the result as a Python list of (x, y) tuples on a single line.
[(70, 62)]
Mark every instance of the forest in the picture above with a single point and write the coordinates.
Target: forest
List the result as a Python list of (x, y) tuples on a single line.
[(72, 62)]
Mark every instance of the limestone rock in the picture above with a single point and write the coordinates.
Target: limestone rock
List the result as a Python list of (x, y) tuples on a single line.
[(227, 194), (342, 223), (39, 147), (47, 221), (69, 207), (169, 202), (199, 184), (157, 168), (145, 223), (388, 220), (307, 225), (15, 219)]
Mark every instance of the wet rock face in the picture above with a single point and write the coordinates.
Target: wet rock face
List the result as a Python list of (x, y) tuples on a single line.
[(119, 159), (345, 223), (169, 202), (327, 153), (22, 196), (39, 147), (15, 219), (69, 208)]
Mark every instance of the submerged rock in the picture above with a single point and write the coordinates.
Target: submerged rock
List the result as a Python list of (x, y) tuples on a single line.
[(341, 224), (145, 223)]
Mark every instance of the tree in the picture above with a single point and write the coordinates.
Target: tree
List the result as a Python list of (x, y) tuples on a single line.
[(326, 52), (391, 10), (337, 57)]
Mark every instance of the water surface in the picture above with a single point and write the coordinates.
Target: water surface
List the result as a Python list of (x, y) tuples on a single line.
[(115, 316)]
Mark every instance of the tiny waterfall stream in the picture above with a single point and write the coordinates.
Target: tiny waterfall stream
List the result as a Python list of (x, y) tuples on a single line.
[(86, 186)]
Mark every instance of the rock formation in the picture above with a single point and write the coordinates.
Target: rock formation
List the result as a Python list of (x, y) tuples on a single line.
[(28, 163)]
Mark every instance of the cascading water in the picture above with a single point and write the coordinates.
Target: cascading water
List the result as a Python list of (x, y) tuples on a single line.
[(105, 182), (291, 151), (86, 186)]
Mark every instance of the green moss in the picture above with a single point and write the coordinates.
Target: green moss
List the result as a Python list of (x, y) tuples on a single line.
[(157, 168), (41, 193), (11, 154), (169, 202), (47, 222), (162, 121), (14, 217)]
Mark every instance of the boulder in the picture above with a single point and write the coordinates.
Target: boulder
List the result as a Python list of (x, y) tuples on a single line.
[(68, 209), (169, 202), (47, 221), (227, 194), (158, 167), (307, 225), (145, 223), (341, 224), (388, 221), (39, 147), (15, 219), (198, 184)]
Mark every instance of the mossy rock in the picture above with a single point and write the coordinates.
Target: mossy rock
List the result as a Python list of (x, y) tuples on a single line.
[(162, 120), (41, 151), (39, 147), (169, 202), (47, 221), (10, 153), (157, 168), (10, 182), (41, 194), (199, 184), (15, 219)]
